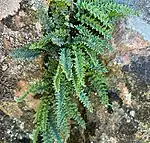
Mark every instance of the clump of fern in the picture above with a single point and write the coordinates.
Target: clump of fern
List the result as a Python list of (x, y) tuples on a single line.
[(76, 32)]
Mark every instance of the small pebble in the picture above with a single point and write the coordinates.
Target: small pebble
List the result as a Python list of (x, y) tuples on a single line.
[(132, 113)]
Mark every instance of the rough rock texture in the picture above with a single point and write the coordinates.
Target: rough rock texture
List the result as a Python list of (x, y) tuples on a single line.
[(17, 28), (128, 80), (8, 7)]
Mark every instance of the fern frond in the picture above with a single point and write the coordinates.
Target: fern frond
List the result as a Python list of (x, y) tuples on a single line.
[(79, 65), (41, 43), (62, 121), (66, 62), (25, 53), (35, 134), (100, 87), (95, 11), (93, 56), (100, 68), (66, 110), (44, 19), (54, 131), (75, 114), (77, 85), (95, 25), (44, 123), (46, 136), (34, 88), (84, 99), (57, 78), (59, 37), (41, 118), (116, 10), (91, 41)]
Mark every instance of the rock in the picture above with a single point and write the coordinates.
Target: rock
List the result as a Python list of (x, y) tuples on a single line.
[(11, 109), (10, 131), (17, 28), (8, 7)]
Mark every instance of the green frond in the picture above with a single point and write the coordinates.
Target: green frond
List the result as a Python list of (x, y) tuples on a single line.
[(77, 85), (84, 99), (57, 78), (93, 56), (25, 53), (34, 88), (54, 131), (73, 113), (115, 10), (66, 62), (41, 118), (41, 43), (44, 19), (91, 41), (94, 10), (51, 134), (58, 37), (45, 112), (45, 126), (46, 136), (100, 86), (66, 110), (79, 65), (101, 68), (95, 25), (59, 12), (62, 121), (35, 135)]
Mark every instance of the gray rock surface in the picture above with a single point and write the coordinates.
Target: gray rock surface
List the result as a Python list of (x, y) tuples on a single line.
[(8, 7), (17, 28)]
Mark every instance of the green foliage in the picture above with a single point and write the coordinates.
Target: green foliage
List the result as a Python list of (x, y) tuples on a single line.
[(66, 62), (79, 32), (25, 53), (79, 65)]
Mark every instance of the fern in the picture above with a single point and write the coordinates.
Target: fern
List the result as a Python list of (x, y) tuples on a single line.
[(91, 41), (100, 87), (66, 62), (84, 99), (95, 25), (79, 65), (76, 32), (94, 11), (57, 79), (36, 87), (25, 53)]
